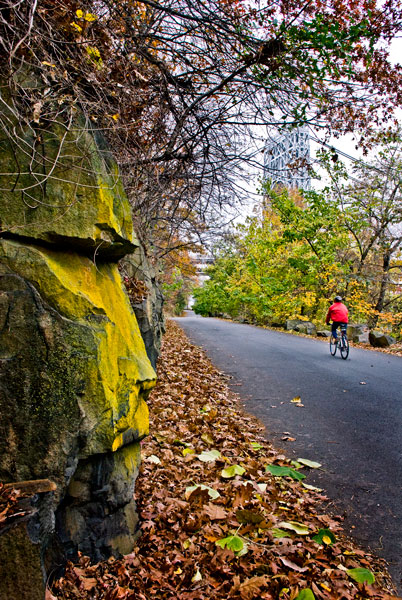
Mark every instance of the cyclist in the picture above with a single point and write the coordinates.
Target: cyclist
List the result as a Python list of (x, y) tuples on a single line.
[(338, 314)]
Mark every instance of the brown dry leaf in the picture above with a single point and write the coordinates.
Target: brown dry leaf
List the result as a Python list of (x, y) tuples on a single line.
[(250, 588), (249, 516), (215, 512), (207, 438), (243, 495), (292, 565), (89, 583)]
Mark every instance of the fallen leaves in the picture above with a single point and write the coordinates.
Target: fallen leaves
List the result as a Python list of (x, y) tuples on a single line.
[(297, 401), (214, 494), (250, 588), (361, 575), (209, 455), (213, 519), (8, 502), (214, 512), (153, 459), (15, 504), (309, 463), (232, 471), (279, 471), (298, 528)]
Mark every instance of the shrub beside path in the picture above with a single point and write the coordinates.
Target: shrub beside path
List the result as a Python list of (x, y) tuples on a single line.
[(223, 514)]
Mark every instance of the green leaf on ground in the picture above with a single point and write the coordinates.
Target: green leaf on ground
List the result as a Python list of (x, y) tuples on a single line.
[(294, 526), (232, 471), (209, 456), (361, 575), (214, 494), (305, 594), (232, 542), (324, 536), (278, 471), (256, 446), (296, 464), (279, 533), (309, 463)]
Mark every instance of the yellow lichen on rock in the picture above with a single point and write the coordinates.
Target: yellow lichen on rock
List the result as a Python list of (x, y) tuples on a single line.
[(78, 201), (74, 371), (117, 372)]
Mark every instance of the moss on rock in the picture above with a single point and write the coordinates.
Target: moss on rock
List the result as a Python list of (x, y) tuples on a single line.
[(68, 193)]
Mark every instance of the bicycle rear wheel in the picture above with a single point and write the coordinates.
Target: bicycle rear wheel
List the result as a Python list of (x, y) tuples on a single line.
[(332, 345), (344, 347)]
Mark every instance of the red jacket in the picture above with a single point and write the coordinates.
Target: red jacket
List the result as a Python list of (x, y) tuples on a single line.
[(337, 312)]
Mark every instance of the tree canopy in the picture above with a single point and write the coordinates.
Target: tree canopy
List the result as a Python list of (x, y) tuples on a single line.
[(179, 87)]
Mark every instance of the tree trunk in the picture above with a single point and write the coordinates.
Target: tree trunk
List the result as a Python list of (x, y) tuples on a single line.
[(386, 262)]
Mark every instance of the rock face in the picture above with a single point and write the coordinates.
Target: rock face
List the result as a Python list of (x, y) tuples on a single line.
[(74, 372), (378, 339), (81, 205), (22, 556), (147, 306)]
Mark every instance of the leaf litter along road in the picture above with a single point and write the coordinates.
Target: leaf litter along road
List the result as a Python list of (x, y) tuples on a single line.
[(223, 514)]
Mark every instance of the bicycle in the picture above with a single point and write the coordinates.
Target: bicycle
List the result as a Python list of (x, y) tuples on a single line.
[(341, 342)]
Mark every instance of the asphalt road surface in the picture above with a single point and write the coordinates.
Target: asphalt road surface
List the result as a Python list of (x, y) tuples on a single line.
[(351, 421)]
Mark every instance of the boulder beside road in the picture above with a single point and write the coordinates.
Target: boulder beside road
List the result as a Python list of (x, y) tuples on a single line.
[(378, 339), (300, 326), (358, 332)]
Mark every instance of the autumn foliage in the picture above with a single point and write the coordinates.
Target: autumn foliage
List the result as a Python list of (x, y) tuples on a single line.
[(302, 248), (180, 89)]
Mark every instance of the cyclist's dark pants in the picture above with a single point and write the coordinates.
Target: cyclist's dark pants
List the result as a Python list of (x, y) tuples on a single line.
[(335, 326)]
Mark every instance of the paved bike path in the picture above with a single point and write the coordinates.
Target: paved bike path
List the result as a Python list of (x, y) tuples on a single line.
[(351, 421)]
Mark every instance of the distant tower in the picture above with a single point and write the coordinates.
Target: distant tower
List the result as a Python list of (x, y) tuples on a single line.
[(286, 159)]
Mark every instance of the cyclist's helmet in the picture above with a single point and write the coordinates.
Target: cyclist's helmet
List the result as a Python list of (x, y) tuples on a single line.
[(338, 299)]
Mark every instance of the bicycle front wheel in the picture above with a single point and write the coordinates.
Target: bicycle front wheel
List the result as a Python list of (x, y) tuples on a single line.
[(332, 345), (344, 348)]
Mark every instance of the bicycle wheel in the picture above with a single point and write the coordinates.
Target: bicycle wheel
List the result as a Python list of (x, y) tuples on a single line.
[(344, 347), (332, 345)]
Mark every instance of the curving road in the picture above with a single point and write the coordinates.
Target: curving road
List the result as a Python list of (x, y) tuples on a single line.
[(351, 421)]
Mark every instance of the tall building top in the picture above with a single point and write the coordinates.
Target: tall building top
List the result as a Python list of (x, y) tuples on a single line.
[(286, 159)]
